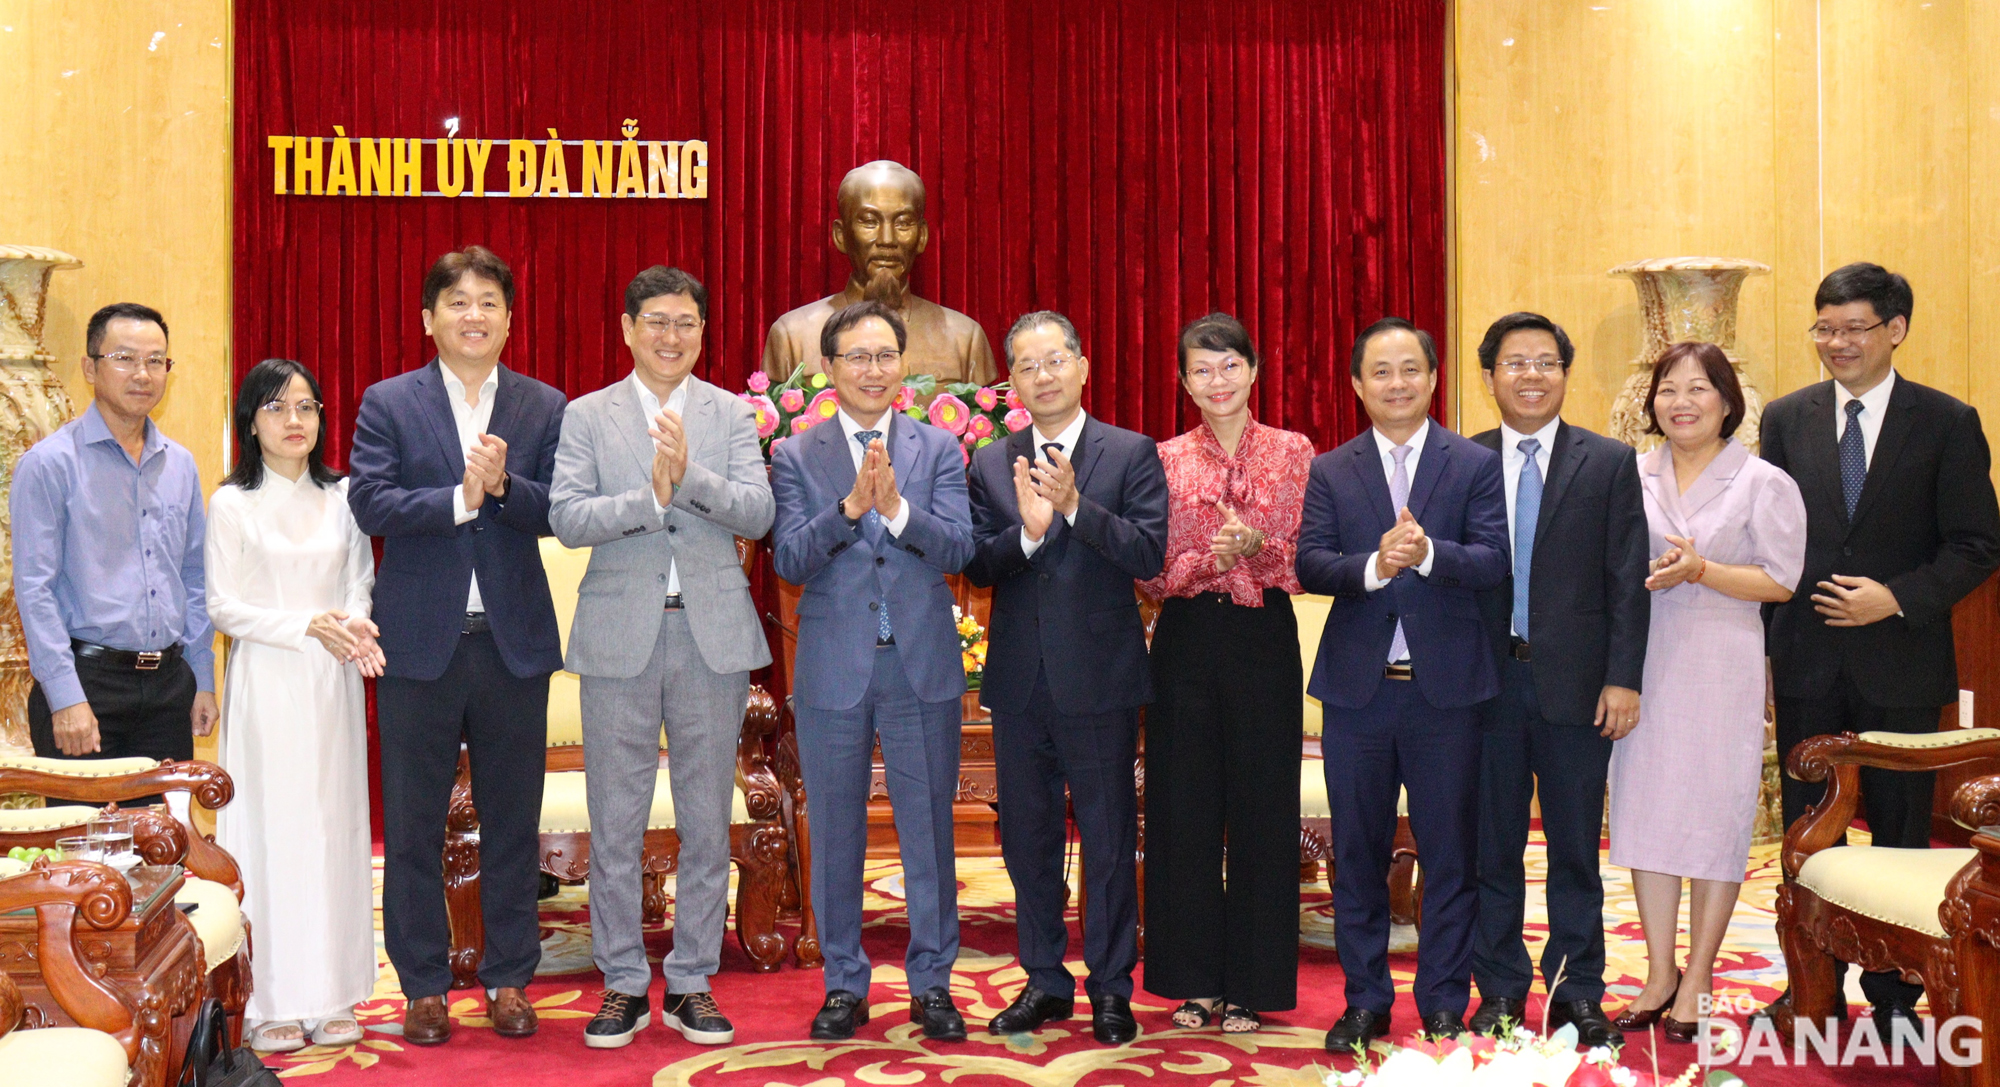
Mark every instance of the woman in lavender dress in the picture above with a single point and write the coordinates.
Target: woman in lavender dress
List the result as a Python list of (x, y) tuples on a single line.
[(1728, 534)]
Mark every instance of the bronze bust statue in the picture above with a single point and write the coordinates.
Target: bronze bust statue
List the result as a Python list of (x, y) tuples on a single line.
[(881, 228)]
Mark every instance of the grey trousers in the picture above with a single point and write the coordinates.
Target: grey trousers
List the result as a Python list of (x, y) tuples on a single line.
[(703, 713)]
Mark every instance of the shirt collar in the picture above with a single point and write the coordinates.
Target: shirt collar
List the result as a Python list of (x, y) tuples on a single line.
[(850, 428), (676, 400), (95, 430), (1384, 445), (1875, 401), (457, 387), (1510, 439), (1070, 435)]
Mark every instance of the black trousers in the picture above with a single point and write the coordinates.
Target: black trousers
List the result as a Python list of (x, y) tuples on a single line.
[(1520, 750), (503, 719), (1038, 752), (1223, 745), (1897, 804), (139, 715)]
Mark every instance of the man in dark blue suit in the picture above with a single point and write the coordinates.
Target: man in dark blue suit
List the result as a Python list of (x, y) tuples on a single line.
[(1569, 632), (451, 465), (1404, 525), (1067, 514), (871, 516)]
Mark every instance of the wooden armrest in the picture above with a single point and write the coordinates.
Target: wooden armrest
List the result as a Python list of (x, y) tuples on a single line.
[(562, 759), (753, 767), (1976, 804), (12, 1004), (208, 784), (1815, 757), (61, 894)]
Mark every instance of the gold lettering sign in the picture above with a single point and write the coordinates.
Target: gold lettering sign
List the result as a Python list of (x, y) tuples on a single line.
[(343, 165)]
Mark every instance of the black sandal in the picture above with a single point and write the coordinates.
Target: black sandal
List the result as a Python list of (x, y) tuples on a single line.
[(1194, 1015), (1235, 1015)]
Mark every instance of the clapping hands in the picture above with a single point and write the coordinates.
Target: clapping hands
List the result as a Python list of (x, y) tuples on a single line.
[(874, 486), (1403, 547), (485, 470), (1677, 564), (1037, 512), (670, 454)]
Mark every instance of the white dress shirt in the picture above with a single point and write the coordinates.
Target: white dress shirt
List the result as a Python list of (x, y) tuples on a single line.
[(848, 429), (1066, 441), (1384, 446), (472, 420), (1874, 405), (650, 406), (1511, 460)]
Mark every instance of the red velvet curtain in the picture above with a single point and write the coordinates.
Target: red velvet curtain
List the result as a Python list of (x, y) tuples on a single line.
[(1133, 163)]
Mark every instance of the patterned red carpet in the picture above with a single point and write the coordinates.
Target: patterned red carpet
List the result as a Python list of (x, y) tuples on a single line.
[(771, 1013)]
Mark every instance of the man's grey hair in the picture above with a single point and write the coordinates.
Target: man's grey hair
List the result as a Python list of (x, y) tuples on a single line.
[(1037, 319)]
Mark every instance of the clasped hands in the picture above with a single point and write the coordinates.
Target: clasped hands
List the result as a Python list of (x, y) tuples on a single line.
[(1234, 541), (670, 454), (1675, 565), (1404, 547), (485, 470), (1043, 490), (874, 486), (351, 639)]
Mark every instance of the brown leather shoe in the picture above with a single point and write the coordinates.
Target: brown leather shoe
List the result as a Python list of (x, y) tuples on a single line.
[(512, 1015), (426, 1021)]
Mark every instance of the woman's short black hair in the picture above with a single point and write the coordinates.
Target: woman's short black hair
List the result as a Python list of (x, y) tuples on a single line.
[(1216, 332), (267, 381), (1715, 366)]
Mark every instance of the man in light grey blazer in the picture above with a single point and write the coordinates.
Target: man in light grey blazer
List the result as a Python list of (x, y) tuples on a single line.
[(658, 474)]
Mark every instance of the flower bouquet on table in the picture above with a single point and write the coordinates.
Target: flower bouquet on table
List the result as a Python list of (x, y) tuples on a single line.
[(971, 646), (974, 414), (1516, 1058)]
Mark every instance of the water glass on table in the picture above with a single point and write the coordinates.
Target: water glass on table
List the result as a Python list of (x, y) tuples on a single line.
[(112, 831)]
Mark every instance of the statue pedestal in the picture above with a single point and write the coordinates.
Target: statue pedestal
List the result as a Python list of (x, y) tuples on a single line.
[(1683, 298), (32, 405)]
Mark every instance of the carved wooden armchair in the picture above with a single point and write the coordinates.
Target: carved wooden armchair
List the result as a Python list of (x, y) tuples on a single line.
[(110, 1039), (757, 839), (1931, 914), (215, 884)]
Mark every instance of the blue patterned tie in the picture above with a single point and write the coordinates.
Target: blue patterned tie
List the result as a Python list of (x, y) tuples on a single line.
[(874, 522), (1399, 496), (1853, 458), (1527, 508)]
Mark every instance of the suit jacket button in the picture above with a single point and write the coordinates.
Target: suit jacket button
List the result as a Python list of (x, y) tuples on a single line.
[(1392, 615), (879, 560), (873, 606), (1847, 551), (673, 528), (662, 578), (1045, 577)]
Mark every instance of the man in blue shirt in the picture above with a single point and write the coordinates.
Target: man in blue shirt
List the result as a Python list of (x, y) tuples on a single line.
[(108, 563)]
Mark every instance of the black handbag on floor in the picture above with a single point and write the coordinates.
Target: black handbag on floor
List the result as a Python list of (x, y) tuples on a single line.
[(211, 1063)]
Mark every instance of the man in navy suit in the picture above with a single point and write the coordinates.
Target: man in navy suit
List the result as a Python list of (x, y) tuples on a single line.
[(451, 465), (1404, 526), (871, 516), (1067, 513)]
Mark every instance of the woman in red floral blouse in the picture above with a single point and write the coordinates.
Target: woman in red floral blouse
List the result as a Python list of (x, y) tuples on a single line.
[(1223, 734)]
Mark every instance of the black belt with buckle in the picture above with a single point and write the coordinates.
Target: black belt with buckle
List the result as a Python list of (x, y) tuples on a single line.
[(475, 623), (1398, 671), (1519, 650), (144, 661), (674, 602)]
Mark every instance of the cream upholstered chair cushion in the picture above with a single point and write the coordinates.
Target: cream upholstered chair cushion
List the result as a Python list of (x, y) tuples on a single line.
[(1313, 802), (1311, 612), (565, 707), (1903, 887), (217, 919), (70, 1056), (11, 867), (79, 768), (37, 820), (565, 567), (565, 812)]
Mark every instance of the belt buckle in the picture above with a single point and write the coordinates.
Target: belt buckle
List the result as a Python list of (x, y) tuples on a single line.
[(1521, 652), (149, 661)]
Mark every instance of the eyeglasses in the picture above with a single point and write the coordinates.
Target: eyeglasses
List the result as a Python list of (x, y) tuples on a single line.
[(1228, 371), (308, 410), (658, 324), (1828, 333), (860, 360), (126, 363), (1030, 369), (1543, 365)]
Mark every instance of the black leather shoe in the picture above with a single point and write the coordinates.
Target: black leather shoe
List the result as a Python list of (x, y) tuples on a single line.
[(837, 1018), (1443, 1024), (1885, 1016), (1111, 1019), (1593, 1027), (1355, 1028), (1030, 1010), (1493, 1010), (941, 1021), (621, 1016), (698, 1018)]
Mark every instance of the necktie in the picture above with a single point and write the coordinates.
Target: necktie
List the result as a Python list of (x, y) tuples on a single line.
[(874, 522), (1853, 458), (1399, 496), (1527, 508), (1049, 451)]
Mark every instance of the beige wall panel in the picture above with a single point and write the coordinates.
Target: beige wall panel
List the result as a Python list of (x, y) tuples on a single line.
[(1983, 201), (117, 129), (1796, 271)]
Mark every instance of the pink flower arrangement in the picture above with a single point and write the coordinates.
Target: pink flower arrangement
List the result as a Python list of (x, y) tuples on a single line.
[(949, 413), (906, 398), (1013, 400), (981, 425), (803, 423), (760, 382), (1018, 419), (766, 412), (791, 400), (824, 406), (986, 398)]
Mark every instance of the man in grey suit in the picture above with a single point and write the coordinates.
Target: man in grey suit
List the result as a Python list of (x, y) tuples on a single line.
[(658, 474)]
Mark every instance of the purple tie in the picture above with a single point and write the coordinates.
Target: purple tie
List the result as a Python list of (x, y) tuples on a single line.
[(1399, 496)]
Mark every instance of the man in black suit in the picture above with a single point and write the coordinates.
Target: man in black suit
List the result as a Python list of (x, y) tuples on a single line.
[(1578, 589), (1067, 514), (1901, 524)]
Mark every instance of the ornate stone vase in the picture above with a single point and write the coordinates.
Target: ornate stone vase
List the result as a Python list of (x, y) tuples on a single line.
[(1683, 298), (32, 405)]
